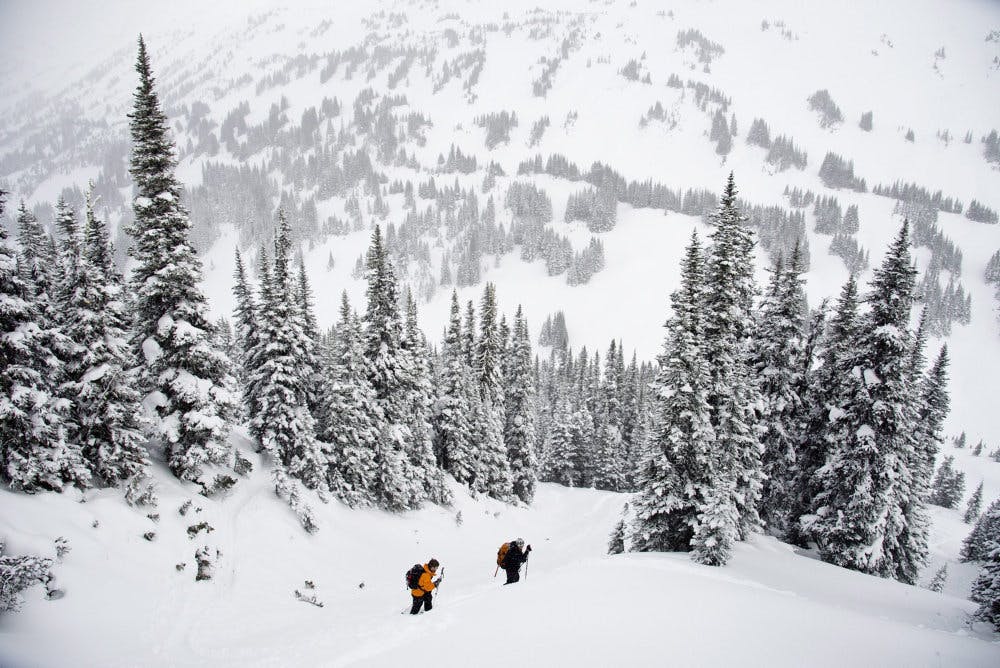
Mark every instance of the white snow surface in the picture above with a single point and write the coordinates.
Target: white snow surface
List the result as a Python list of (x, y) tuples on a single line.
[(126, 604)]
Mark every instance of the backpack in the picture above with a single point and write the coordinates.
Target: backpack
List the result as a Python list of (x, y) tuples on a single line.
[(413, 576), (502, 554)]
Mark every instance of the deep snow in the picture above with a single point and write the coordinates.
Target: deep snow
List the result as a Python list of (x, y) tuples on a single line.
[(126, 604)]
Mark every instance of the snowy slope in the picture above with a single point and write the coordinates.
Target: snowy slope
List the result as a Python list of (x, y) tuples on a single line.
[(127, 604)]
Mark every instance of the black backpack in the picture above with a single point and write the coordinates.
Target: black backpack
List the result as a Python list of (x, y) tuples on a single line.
[(413, 576)]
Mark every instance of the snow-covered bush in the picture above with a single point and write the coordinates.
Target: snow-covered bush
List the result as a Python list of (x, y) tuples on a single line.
[(19, 573)]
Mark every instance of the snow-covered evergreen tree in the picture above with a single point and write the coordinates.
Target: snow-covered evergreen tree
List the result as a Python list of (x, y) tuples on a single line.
[(986, 588), (807, 425), (895, 409), (419, 398), (33, 451), (519, 400), (281, 375), (681, 466), (948, 485), (611, 464), (457, 452), (779, 348), (353, 421), (870, 513), (310, 329), (397, 487), (106, 407), (559, 453), (729, 325), (186, 378), (247, 319), (986, 532), (975, 505), (496, 476), (938, 581)]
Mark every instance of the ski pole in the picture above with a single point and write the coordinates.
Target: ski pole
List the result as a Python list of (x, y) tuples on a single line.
[(438, 585), (496, 571), (526, 570)]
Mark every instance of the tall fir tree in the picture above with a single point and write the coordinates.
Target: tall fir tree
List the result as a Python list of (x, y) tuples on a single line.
[(247, 321), (729, 325), (681, 465), (974, 506), (310, 329), (559, 458), (186, 379), (496, 476), (282, 373), (978, 544), (894, 410), (397, 487), (106, 409), (870, 515), (986, 589), (610, 451), (808, 443), (419, 400), (780, 346), (353, 424), (519, 399), (33, 451), (456, 450)]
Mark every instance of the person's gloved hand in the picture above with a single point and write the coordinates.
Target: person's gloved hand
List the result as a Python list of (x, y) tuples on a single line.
[(528, 549), (437, 583)]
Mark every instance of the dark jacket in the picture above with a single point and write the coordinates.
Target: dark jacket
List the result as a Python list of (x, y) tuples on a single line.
[(515, 557)]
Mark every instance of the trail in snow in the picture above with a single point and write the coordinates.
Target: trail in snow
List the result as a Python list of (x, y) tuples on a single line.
[(126, 604)]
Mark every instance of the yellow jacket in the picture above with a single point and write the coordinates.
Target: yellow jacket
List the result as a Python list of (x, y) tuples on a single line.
[(426, 583)]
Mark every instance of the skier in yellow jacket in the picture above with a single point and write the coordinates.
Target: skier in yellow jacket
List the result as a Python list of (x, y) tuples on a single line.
[(422, 594)]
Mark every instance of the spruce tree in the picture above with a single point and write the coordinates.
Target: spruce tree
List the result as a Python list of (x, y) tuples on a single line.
[(496, 480), (948, 485), (870, 513), (986, 532), (986, 588), (310, 330), (34, 455), (419, 400), (184, 376), (681, 466), (353, 424), (807, 424), (247, 319), (974, 507), (729, 297), (611, 464), (36, 261), (283, 423), (397, 488), (106, 408), (519, 398), (777, 363), (558, 459), (939, 579), (456, 451)]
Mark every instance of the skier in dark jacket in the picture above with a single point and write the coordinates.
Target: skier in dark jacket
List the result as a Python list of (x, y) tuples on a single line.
[(516, 555)]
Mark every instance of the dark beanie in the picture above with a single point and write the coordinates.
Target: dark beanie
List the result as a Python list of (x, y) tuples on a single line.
[(433, 563)]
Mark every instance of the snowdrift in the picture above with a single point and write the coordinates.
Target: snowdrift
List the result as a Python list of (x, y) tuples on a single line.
[(130, 602)]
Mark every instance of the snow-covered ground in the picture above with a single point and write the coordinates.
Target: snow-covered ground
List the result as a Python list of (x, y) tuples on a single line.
[(127, 604)]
